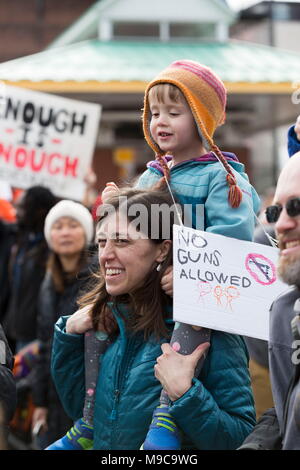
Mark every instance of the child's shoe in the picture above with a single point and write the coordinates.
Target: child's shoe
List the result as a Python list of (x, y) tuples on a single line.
[(79, 437), (163, 433)]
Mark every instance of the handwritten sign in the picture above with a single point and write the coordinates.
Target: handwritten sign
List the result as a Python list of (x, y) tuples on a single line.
[(46, 140), (223, 283)]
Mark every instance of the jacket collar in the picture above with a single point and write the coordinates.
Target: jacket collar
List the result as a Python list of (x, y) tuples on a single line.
[(207, 158)]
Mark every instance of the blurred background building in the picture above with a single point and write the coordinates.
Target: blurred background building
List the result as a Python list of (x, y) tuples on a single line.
[(106, 51)]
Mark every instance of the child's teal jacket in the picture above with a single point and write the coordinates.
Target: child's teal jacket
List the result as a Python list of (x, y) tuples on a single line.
[(203, 181)]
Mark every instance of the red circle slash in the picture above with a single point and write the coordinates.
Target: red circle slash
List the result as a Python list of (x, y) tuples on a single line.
[(261, 268)]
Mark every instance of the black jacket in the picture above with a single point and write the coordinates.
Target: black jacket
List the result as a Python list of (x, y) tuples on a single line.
[(51, 306), (7, 238), (27, 271), (266, 434), (8, 394), (279, 427)]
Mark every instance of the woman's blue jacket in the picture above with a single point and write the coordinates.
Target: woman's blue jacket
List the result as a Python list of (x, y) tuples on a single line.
[(217, 412)]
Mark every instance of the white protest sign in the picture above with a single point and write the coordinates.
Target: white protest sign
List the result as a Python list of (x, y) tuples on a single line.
[(5, 191), (223, 283), (46, 140)]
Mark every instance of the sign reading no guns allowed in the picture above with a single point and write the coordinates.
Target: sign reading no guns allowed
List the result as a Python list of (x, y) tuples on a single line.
[(223, 283), (46, 140)]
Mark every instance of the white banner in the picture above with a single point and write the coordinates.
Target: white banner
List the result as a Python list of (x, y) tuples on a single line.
[(223, 283), (46, 140)]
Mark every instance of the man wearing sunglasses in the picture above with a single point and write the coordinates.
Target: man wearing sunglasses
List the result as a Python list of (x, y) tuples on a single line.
[(279, 427)]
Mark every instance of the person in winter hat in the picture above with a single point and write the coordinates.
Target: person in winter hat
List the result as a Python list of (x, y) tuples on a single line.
[(69, 231), (183, 106), (72, 210)]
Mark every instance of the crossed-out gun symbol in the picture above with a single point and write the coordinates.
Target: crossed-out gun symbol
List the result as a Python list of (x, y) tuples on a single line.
[(264, 268)]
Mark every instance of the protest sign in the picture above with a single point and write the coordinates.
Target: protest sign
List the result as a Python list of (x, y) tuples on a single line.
[(46, 140), (5, 191), (223, 283)]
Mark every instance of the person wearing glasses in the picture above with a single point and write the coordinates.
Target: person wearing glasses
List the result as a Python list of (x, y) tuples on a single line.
[(258, 348), (279, 427)]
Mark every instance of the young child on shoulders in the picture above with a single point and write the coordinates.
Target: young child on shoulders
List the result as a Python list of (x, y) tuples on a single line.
[(183, 106)]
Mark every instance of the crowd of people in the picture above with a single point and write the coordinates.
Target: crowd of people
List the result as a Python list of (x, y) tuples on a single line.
[(86, 300)]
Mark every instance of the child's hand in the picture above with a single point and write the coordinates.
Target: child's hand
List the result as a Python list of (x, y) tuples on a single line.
[(111, 189), (80, 321), (167, 281), (297, 128)]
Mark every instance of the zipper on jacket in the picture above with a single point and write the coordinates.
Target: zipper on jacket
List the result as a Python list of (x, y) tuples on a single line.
[(119, 385), (113, 414)]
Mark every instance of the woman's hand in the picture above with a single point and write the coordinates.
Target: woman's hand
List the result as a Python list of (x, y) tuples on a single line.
[(176, 371), (167, 281), (39, 420), (111, 189), (80, 321)]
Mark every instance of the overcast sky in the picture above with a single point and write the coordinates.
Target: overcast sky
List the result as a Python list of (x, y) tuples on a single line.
[(240, 4)]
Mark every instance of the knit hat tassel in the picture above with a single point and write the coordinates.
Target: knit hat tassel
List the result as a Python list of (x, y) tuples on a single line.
[(166, 171), (235, 194)]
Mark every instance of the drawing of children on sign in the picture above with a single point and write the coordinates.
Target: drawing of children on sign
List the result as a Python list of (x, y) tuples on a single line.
[(224, 297), (218, 293), (204, 288), (231, 293)]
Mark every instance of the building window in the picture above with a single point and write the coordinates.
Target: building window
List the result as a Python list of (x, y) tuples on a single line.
[(193, 30), (128, 30)]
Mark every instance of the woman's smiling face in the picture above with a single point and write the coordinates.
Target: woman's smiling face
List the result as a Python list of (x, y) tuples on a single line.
[(125, 257)]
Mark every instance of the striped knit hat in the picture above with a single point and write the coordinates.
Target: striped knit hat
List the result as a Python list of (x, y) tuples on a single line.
[(205, 94)]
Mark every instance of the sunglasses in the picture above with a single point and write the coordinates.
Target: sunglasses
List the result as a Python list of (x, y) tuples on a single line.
[(292, 208)]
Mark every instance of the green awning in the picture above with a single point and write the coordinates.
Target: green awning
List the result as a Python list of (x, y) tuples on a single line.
[(109, 66)]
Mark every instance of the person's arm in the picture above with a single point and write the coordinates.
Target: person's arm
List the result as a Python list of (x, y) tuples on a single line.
[(67, 368), (217, 411), (265, 435), (294, 138), (221, 218)]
